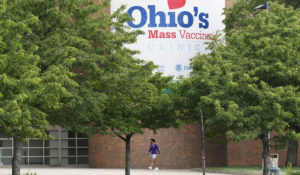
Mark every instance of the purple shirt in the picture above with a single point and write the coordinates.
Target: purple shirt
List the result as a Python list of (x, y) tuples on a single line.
[(154, 149)]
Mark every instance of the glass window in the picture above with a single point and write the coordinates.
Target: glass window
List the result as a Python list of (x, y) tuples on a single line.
[(36, 151), (72, 160), (83, 160), (36, 161), (67, 147), (35, 143), (82, 143), (72, 143), (83, 151)]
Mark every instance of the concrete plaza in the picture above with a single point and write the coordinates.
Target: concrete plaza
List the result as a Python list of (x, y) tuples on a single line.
[(91, 171)]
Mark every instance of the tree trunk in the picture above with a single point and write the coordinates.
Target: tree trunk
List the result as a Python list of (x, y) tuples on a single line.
[(127, 166), (266, 153), (292, 152), (17, 156)]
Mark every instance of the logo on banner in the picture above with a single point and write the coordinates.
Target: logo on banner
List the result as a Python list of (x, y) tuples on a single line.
[(176, 4)]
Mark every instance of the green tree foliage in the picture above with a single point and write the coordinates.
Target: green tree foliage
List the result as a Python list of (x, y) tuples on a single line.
[(60, 65), (98, 68), (119, 95), (29, 91), (65, 46), (76, 46), (66, 38), (115, 93), (20, 80), (136, 101), (249, 87), (236, 16), (236, 19)]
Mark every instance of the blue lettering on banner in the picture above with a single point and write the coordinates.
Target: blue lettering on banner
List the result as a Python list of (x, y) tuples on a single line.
[(154, 14), (178, 67), (180, 47), (167, 47), (151, 47), (203, 18), (173, 22), (186, 67), (190, 19), (172, 19), (143, 15), (161, 46)]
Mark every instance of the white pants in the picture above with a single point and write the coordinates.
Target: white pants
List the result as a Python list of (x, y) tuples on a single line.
[(153, 156)]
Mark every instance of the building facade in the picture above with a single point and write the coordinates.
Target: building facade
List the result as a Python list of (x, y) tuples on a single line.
[(180, 148)]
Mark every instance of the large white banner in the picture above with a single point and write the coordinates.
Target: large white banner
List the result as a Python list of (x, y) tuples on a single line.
[(175, 30)]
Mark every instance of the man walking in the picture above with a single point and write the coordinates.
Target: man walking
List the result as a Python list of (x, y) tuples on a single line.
[(153, 150)]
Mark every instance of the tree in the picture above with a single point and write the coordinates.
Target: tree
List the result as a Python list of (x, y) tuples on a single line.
[(137, 102), (249, 87), (71, 39), (133, 98), (27, 92), (115, 93), (134, 101), (236, 19), (19, 79), (66, 39)]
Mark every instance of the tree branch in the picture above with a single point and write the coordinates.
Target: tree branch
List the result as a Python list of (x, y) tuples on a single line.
[(118, 134), (122, 138)]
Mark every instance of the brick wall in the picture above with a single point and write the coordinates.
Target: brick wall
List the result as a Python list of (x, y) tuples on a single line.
[(249, 153), (106, 10), (179, 149)]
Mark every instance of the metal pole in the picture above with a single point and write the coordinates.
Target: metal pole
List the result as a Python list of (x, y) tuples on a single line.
[(269, 140), (202, 139), (59, 146)]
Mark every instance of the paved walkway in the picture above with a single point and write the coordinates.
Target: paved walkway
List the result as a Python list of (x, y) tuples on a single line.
[(90, 171)]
